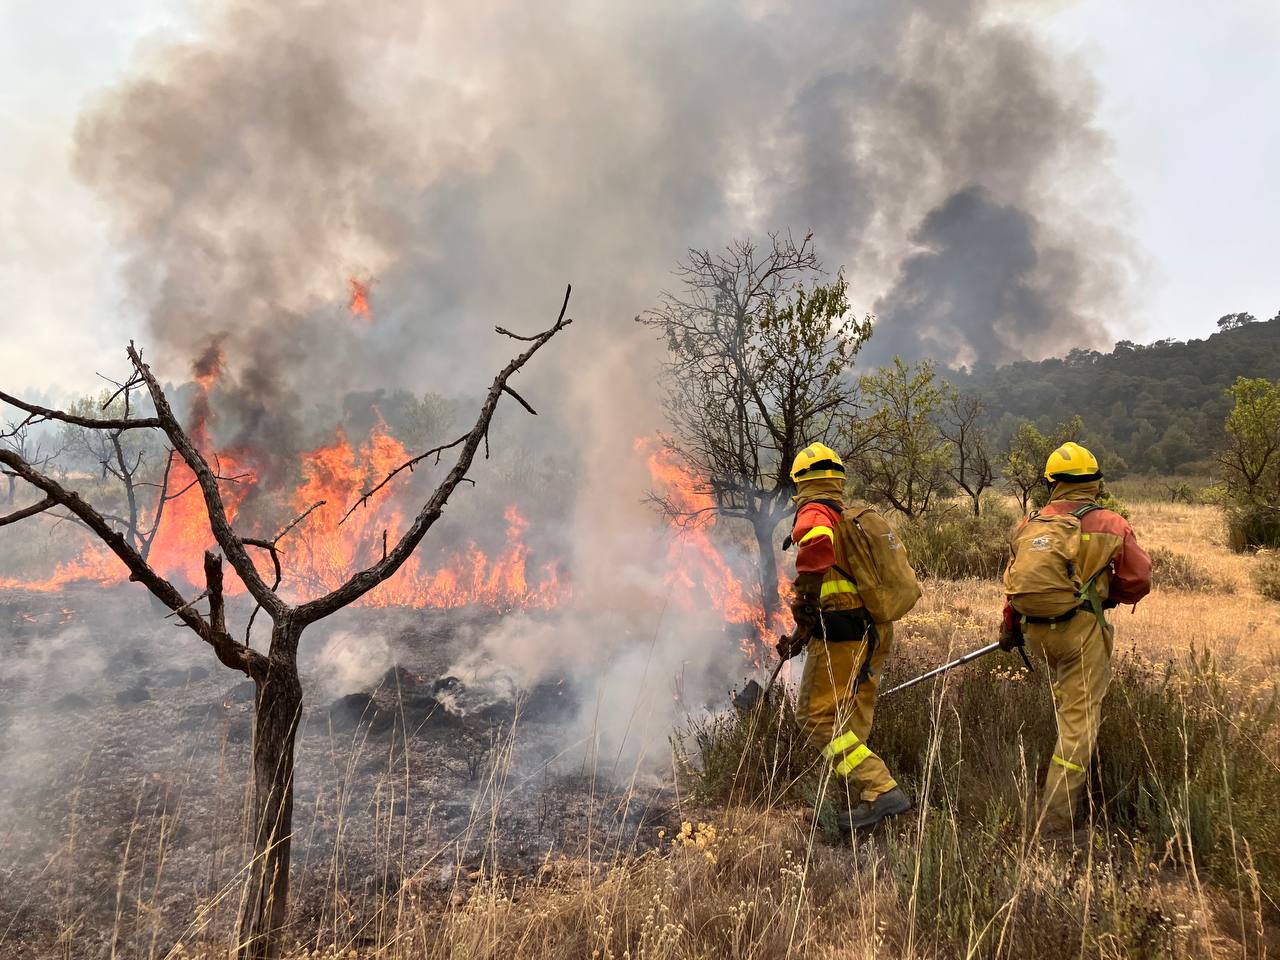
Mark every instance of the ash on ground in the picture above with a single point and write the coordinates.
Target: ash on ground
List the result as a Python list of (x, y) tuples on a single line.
[(124, 764)]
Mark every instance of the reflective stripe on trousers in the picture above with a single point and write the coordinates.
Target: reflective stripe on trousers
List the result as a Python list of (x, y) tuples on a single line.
[(850, 750), (837, 720), (1078, 653)]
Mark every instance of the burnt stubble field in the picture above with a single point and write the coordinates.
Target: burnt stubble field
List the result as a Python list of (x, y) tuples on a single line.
[(125, 756)]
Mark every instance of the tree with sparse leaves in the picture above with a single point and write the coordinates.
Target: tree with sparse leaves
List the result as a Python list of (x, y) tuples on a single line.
[(897, 452), (759, 343), (1022, 464), (961, 424), (1250, 463)]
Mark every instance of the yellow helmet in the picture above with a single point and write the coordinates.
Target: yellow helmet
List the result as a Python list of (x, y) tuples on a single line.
[(815, 461), (1072, 463)]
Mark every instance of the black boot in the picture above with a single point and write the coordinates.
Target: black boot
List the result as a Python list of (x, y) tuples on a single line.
[(870, 812)]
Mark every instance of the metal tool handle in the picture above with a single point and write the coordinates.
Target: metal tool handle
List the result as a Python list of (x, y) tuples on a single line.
[(958, 662)]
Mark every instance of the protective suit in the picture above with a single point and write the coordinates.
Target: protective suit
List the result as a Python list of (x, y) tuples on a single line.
[(845, 653), (1077, 645)]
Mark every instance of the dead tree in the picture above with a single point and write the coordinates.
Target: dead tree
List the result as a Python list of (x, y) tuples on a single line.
[(18, 437), (278, 701), (757, 370), (972, 469)]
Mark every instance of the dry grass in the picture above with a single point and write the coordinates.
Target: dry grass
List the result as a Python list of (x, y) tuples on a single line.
[(965, 879)]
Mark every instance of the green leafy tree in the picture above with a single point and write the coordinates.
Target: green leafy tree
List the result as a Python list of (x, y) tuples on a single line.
[(899, 454), (1233, 321), (1251, 463), (1022, 465), (758, 342)]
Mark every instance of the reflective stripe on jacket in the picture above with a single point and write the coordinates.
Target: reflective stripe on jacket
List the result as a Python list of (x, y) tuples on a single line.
[(814, 535)]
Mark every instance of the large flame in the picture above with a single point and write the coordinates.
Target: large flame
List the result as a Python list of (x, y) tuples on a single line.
[(698, 572), (327, 550)]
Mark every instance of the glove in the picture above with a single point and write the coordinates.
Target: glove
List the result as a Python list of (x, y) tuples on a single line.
[(789, 646), (807, 613), (1010, 631)]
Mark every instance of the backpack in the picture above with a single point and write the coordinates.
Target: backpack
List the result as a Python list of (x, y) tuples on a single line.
[(878, 564), (1043, 577)]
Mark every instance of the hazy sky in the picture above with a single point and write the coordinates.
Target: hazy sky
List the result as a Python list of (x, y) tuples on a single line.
[(1187, 98)]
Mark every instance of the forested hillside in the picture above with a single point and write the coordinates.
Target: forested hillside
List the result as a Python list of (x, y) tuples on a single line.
[(1160, 407)]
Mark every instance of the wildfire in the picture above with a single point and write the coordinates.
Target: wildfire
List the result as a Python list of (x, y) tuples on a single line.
[(359, 299), (327, 551), (324, 550), (697, 571)]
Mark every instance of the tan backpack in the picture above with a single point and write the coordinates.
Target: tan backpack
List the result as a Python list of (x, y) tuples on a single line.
[(1043, 577), (877, 564)]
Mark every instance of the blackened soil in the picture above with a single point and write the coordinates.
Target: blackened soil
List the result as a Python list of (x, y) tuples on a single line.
[(125, 747)]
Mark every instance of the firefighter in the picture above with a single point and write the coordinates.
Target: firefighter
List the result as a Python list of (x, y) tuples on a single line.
[(846, 650), (1109, 568)]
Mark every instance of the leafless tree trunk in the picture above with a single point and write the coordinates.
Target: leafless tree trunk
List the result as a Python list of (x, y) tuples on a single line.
[(278, 711), (971, 467), (278, 701)]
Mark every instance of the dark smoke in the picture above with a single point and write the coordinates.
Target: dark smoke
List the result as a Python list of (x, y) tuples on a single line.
[(986, 286), (471, 158)]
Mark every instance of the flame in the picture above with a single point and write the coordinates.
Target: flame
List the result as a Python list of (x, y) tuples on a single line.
[(359, 303), (328, 550), (697, 571)]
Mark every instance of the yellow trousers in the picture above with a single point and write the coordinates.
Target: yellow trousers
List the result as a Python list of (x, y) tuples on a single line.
[(1078, 652), (836, 718)]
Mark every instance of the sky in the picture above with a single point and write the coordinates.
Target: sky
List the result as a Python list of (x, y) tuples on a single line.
[(1187, 102)]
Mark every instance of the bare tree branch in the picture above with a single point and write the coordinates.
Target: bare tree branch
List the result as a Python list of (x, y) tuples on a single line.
[(519, 399), (30, 511), (95, 424), (407, 465), (232, 546), (364, 581), (235, 655)]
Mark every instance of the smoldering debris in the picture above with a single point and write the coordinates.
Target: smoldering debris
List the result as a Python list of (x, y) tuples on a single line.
[(464, 770)]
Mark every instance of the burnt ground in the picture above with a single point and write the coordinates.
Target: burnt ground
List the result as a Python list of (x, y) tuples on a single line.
[(124, 749)]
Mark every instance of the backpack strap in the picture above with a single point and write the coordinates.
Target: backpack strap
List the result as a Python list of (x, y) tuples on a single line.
[(1088, 596)]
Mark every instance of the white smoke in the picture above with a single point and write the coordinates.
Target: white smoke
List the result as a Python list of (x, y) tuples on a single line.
[(350, 661)]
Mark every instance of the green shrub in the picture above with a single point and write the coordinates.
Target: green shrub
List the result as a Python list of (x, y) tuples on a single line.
[(952, 546), (1177, 571), (1252, 527), (1107, 500), (1266, 574)]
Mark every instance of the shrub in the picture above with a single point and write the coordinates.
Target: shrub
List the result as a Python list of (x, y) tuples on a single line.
[(1108, 501), (1266, 574), (1250, 527), (1177, 571), (753, 754), (952, 546)]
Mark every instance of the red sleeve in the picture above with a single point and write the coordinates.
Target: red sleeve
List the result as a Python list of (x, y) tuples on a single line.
[(813, 534), (1131, 572)]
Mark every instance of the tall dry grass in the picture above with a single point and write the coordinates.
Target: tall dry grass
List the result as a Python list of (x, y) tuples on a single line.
[(1183, 860)]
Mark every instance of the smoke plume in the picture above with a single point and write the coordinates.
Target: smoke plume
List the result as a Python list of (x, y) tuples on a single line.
[(461, 162), (471, 158)]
